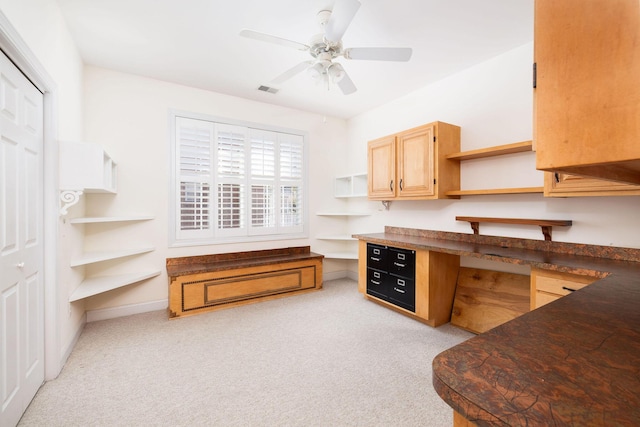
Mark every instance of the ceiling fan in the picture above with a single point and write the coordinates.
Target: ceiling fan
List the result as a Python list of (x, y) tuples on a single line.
[(327, 46)]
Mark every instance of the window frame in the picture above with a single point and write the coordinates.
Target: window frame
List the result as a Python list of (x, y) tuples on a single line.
[(213, 236)]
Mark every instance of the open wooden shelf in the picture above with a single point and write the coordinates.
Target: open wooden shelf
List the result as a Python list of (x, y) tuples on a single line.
[(498, 150), (544, 224)]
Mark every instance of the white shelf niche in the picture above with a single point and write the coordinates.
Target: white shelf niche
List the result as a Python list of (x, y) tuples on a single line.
[(341, 255), (345, 237), (350, 186), (86, 167), (100, 284), (99, 256), (105, 219), (343, 214)]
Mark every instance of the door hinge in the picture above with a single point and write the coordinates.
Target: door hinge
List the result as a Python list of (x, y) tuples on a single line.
[(535, 75)]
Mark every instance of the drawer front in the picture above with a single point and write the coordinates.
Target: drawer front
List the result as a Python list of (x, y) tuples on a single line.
[(377, 283), (402, 292), (559, 286), (402, 262), (377, 256)]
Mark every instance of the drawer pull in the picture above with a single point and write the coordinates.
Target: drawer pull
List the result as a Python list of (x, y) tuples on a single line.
[(568, 289), (375, 259), (400, 282), (397, 264), (402, 291), (375, 283)]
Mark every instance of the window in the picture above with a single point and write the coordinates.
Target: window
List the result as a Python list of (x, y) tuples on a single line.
[(234, 182)]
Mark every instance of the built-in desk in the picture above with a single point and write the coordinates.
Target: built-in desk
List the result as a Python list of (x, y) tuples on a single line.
[(575, 361)]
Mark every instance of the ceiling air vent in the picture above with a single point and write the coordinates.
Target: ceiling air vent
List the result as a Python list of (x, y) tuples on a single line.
[(268, 89)]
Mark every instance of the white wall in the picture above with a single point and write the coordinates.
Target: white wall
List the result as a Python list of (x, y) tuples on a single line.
[(41, 27), (129, 116), (493, 104)]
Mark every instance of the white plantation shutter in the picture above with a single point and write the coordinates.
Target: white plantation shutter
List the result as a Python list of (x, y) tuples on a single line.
[(235, 182), (231, 176), (291, 182), (263, 175), (194, 170)]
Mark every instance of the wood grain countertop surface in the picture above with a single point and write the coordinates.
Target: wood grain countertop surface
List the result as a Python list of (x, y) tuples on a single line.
[(573, 362)]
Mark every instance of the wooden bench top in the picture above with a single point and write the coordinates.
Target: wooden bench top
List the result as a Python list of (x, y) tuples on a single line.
[(225, 261)]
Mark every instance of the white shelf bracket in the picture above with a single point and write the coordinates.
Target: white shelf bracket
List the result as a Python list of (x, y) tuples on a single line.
[(68, 198)]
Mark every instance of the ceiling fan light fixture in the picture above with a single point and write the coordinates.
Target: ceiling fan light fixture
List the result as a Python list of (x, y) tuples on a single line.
[(336, 72), (316, 71)]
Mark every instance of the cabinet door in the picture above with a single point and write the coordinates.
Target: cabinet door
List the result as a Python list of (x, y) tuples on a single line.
[(587, 97), (382, 168), (558, 184), (416, 163)]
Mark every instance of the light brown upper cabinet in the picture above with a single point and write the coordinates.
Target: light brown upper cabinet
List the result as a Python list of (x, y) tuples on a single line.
[(411, 165), (558, 184), (587, 96)]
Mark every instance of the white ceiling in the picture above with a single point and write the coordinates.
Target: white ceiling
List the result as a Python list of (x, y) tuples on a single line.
[(196, 43)]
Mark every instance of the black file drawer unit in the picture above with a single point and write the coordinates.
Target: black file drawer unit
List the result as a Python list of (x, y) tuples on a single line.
[(391, 274)]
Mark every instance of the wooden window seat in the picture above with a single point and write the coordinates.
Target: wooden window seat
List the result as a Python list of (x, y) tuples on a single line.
[(205, 283)]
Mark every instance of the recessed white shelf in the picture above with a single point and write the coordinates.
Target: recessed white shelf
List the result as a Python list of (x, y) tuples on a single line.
[(86, 166), (351, 186), (96, 220), (345, 237), (91, 257), (97, 285), (341, 255), (343, 214)]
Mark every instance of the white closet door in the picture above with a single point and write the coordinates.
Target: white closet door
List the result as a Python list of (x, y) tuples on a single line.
[(21, 246)]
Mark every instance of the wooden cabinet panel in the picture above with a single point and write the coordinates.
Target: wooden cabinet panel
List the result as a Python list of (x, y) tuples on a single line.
[(435, 285), (412, 165), (382, 168), (415, 163), (193, 293), (548, 286), (587, 96), (558, 184)]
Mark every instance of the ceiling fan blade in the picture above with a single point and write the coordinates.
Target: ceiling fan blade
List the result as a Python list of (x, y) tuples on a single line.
[(341, 16), (379, 53), (346, 85), (273, 39), (292, 72)]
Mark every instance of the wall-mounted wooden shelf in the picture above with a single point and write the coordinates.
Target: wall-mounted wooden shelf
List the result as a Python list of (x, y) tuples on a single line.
[(544, 224), (498, 150), (485, 192)]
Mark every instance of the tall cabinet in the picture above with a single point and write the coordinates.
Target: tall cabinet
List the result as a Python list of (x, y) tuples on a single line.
[(412, 165), (587, 96)]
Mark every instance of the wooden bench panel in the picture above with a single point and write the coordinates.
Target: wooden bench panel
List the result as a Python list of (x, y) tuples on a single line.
[(203, 291)]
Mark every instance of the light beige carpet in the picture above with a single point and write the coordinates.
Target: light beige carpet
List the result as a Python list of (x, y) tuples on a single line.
[(328, 358)]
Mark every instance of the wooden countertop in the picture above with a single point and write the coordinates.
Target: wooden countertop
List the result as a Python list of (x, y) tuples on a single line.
[(575, 361), (234, 260)]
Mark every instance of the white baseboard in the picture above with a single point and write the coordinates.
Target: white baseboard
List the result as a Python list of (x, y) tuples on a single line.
[(126, 310)]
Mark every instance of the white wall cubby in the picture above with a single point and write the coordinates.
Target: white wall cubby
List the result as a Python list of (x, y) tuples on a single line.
[(345, 187), (87, 168)]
